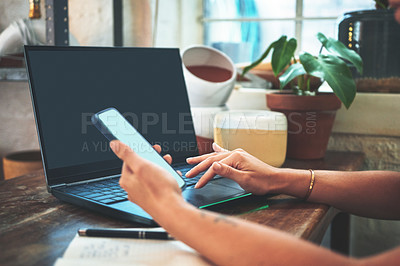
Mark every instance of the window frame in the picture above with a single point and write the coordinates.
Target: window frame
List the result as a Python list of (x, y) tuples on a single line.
[(298, 19)]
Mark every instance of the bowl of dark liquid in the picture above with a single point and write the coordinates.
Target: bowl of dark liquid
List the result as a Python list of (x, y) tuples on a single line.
[(209, 74)]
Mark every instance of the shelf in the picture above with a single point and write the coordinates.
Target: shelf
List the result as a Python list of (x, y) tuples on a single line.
[(13, 74)]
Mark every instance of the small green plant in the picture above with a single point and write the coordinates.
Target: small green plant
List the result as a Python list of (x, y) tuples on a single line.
[(331, 65)]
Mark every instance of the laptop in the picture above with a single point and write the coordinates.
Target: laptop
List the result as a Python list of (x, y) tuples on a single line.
[(69, 84)]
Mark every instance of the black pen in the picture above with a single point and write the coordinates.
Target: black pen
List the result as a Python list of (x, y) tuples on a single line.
[(125, 233)]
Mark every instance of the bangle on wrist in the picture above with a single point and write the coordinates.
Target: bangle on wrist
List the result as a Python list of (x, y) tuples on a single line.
[(311, 186)]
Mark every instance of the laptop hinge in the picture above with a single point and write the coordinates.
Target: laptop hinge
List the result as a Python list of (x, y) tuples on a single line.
[(50, 188), (58, 186), (84, 181)]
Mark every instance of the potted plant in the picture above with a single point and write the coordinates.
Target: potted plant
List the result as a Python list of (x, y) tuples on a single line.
[(310, 113)]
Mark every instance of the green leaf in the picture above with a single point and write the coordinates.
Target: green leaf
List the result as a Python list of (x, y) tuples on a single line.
[(335, 72), (283, 53), (290, 73), (380, 4), (263, 56), (337, 48)]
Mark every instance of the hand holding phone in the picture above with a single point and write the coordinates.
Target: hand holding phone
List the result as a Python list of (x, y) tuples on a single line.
[(113, 125)]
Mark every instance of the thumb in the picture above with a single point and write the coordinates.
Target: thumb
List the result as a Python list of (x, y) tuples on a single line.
[(227, 171), (125, 153)]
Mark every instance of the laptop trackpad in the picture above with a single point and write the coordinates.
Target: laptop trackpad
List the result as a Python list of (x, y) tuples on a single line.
[(211, 193)]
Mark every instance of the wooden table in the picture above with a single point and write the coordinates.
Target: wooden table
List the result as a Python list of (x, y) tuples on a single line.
[(36, 228)]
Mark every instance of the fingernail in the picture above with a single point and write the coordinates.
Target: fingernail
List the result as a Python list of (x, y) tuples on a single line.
[(215, 146), (188, 173), (217, 166), (197, 185), (188, 159), (113, 145)]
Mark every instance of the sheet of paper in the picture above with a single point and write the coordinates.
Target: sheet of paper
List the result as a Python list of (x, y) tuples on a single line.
[(122, 251)]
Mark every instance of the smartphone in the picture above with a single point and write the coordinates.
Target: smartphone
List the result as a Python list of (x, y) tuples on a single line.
[(113, 125)]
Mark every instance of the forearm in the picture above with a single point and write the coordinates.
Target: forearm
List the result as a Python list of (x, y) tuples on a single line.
[(374, 194), (229, 241)]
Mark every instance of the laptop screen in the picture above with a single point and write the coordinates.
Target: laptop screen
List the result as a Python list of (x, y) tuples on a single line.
[(70, 84)]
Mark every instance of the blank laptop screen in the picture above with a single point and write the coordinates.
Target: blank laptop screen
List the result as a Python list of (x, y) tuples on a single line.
[(69, 84)]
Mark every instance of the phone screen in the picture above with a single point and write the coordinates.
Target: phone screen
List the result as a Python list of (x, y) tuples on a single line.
[(117, 127)]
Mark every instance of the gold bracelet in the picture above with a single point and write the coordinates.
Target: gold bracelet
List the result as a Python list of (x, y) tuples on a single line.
[(310, 188)]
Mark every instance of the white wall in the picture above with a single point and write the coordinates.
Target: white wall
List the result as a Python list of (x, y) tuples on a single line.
[(91, 21), (10, 10)]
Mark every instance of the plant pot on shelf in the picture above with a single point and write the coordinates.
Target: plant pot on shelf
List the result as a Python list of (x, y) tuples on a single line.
[(209, 75), (375, 36), (310, 120)]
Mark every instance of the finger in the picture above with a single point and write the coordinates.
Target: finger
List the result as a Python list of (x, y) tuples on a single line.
[(218, 148), (120, 149), (205, 164), (126, 154), (223, 168), (208, 175), (126, 169), (179, 172), (197, 159), (124, 173), (157, 148), (168, 158)]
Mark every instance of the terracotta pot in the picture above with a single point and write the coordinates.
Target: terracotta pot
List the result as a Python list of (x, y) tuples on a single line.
[(204, 145), (310, 121)]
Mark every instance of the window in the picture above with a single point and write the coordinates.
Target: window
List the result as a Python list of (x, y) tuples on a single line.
[(244, 28)]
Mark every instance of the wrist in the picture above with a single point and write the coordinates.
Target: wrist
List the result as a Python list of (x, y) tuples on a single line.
[(165, 209), (291, 182)]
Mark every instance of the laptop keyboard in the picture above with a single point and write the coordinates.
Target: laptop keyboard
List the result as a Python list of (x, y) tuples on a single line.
[(109, 191), (106, 191)]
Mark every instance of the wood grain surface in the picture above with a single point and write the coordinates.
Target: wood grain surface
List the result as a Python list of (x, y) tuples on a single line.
[(36, 227)]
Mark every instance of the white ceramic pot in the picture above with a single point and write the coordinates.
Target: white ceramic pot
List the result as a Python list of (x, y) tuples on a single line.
[(203, 93)]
